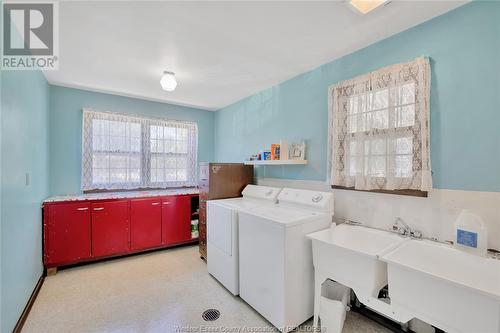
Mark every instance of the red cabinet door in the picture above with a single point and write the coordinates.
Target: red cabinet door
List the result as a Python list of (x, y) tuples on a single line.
[(176, 219), (110, 228), (145, 223), (67, 229)]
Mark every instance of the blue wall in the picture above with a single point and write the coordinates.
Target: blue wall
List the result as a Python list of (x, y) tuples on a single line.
[(464, 47), (66, 129), (34, 117), (24, 149)]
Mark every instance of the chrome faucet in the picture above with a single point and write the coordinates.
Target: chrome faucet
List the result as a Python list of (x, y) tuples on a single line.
[(346, 221), (404, 229), (401, 227)]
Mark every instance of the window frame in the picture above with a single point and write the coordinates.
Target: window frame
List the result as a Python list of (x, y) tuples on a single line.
[(88, 183), (116, 153), (162, 184), (383, 133), (390, 127)]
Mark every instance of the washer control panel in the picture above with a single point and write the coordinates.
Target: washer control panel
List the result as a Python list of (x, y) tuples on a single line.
[(261, 192), (314, 199)]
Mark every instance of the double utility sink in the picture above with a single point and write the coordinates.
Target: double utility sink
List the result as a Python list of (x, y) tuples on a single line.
[(437, 283)]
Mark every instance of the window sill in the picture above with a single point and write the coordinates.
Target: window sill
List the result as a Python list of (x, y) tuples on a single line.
[(413, 193), (137, 189)]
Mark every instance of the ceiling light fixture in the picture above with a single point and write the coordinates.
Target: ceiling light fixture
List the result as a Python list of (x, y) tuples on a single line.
[(366, 6), (168, 81)]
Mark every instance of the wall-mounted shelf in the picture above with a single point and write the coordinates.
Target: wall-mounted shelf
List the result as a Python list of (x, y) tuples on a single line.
[(276, 162)]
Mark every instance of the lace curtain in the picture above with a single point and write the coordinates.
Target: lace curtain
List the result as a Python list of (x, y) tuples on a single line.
[(379, 129), (130, 152)]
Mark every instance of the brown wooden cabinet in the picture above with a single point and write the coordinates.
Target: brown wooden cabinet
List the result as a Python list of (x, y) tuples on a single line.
[(219, 181), (202, 229)]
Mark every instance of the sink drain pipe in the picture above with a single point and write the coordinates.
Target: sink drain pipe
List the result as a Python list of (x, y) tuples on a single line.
[(391, 325)]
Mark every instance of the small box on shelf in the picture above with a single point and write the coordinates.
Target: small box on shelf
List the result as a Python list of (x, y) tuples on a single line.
[(276, 162), (280, 154)]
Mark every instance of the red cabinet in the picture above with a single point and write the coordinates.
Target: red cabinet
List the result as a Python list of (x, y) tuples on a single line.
[(68, 233), (110, 228), (87, 230), (145, 223), (176, 219)]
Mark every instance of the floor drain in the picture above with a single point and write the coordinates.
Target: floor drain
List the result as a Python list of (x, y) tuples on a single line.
[(211, 315)]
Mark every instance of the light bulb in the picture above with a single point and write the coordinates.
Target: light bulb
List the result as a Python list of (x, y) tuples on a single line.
[(168, 81), (366, 6)]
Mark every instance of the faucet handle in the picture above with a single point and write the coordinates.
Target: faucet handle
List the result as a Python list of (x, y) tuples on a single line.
[(416, 234), (396, 227), (351, 222), (399, 229)]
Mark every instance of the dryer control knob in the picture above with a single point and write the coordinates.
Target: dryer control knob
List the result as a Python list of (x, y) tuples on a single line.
[(317, 198)]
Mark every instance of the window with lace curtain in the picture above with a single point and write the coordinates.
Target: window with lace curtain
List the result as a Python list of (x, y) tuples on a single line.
[(379, 130), (130, 152)]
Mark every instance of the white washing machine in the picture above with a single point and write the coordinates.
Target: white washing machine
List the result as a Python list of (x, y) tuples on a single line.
[(276, 268), (222, 232)]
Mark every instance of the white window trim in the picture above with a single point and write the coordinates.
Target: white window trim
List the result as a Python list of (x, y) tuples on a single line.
[(87, 183), (398, 75)]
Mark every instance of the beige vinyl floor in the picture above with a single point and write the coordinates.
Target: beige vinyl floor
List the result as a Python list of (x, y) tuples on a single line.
[(162, 291)]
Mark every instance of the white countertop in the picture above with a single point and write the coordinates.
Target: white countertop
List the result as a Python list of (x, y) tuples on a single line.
[(123, 195)]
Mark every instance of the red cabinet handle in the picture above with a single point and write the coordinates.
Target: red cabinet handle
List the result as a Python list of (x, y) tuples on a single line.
[(99, 208), (82, 208), (155, 204), (166, 203)]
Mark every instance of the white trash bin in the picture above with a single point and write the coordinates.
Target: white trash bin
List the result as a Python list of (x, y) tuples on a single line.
[(333, 306)]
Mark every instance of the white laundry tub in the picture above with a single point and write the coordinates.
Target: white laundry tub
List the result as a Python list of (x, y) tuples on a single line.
[(349, 255), (445, 287)]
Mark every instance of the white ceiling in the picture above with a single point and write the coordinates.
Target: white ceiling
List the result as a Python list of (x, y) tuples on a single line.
[(221, 52)]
